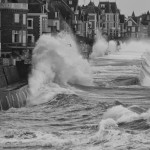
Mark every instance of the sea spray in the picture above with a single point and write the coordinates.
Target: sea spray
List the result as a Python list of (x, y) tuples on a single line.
[(139, 50), (102, 47), (120, 114), (99, 48), (56, 62), (112, 46), (134, 49)]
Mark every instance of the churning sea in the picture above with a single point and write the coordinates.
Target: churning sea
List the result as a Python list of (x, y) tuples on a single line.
[(113, 114)]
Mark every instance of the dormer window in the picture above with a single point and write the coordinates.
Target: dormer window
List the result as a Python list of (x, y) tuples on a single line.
[(56, 14), (129, 23), (70, 2)]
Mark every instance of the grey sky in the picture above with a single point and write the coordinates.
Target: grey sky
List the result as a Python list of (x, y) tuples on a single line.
[(127, 6)]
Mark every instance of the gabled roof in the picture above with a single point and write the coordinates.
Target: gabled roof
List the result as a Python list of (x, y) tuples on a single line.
[(130, 18), (91, 8), (109, 7)]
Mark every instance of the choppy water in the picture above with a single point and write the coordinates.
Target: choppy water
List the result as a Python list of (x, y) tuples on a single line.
[(90, 119), (111, 114)]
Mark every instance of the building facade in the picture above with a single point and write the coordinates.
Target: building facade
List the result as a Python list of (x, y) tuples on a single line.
[(13, 26), (37, 21), (109, 20)]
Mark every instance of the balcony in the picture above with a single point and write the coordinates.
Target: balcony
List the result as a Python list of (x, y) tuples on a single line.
[(19, 45), (22, 6)]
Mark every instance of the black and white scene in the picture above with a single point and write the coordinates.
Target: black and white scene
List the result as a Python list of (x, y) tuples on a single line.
[(75, 74)]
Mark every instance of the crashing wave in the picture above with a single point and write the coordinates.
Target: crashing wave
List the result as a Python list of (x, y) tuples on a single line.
[(145, 69), (56, 62)]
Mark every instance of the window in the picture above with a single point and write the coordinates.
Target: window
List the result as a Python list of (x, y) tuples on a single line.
[(30, 38), (75, 18), (111, 25), (24, 19), (129, 23), (16, 36), (117, 17), (44, 24), (70, 2), (128, 29), (114, 25), (90, 25), (107, 17), (16, 18), (133, 29), (30, 23), (56, 14), (111, 17)]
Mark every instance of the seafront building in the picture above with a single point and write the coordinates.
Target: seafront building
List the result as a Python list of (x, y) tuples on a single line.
[(22, 22), (110, 21), (13, 27)]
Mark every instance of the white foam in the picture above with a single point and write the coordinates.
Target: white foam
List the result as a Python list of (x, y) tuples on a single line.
[(56, 62)]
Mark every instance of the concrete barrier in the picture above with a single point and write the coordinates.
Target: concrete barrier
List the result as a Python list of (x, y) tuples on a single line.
[(15, 98)]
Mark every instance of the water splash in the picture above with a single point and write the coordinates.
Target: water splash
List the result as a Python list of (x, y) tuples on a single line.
[(56, 62), (102, 47)]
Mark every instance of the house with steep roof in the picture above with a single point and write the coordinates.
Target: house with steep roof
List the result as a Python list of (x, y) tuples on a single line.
[(109, 21), (137, 27), (91, 12), (132, 27)]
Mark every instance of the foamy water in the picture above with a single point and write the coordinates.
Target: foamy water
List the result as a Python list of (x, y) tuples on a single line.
[(56, 62), (70, 112)]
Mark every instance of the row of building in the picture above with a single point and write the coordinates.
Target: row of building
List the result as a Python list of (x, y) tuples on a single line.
[(22, 22)]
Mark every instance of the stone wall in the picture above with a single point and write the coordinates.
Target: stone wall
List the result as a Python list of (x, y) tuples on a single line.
[(12, 92), (15, 98)]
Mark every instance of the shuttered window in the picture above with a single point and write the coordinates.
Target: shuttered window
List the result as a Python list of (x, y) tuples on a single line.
[(24, 19), (16, 36)]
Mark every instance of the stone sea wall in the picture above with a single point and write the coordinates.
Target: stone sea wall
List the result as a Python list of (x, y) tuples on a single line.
[(15, 98), (13, 92)]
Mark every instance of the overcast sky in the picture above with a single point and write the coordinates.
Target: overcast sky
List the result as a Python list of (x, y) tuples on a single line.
[(127, 6)]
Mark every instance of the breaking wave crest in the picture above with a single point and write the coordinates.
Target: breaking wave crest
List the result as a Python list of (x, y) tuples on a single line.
[(133, 117), (56, 62)]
